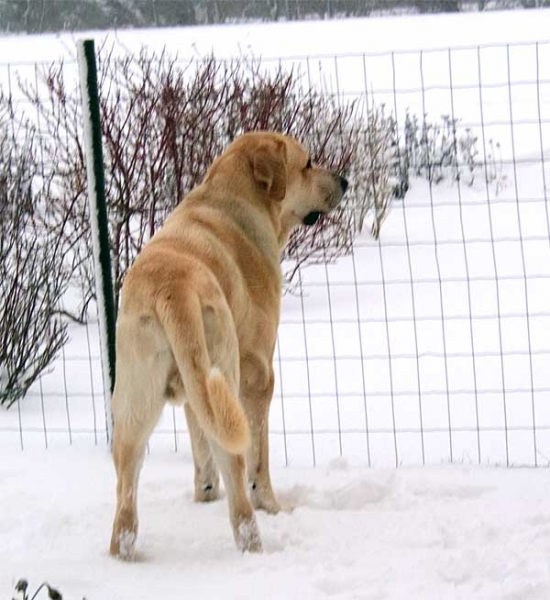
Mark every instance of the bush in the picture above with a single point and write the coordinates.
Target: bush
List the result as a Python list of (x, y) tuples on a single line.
[(379, 145), (439, 150), (32, 277), (163, 124)]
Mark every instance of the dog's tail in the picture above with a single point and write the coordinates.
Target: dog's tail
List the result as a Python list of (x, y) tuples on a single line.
[(214, 403)]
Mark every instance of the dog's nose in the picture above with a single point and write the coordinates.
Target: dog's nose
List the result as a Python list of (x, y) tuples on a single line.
[(344, 184)]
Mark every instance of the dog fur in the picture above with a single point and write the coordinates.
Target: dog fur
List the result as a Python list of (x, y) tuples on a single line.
[(198, 322)]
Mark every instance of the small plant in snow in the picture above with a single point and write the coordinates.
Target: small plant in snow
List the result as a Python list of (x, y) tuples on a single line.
[(468, 152), (495, 167), (22, 591), (439, 150)]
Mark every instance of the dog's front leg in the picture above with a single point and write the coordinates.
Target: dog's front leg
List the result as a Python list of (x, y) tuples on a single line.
[(207, 480), (256, 394)]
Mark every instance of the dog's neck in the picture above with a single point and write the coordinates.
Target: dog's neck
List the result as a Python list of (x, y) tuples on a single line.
[(285, 229), (230, 175)]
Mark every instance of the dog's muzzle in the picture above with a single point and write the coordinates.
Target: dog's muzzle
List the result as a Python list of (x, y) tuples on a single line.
[(312, 217)]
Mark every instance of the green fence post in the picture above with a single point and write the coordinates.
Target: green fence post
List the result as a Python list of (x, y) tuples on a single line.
[(98, 216)]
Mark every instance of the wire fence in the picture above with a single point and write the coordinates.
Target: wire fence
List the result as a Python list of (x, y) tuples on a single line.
[(428, 345)]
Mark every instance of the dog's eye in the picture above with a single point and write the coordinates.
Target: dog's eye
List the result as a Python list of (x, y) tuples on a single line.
[(309, 165)]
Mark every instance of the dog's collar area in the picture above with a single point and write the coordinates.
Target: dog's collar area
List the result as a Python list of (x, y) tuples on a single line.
[(312, 217)]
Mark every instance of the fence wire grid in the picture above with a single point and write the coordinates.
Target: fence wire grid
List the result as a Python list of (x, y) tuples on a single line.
[(429, 345)]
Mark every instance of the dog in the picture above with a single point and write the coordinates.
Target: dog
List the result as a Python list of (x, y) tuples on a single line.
[(197, 326)]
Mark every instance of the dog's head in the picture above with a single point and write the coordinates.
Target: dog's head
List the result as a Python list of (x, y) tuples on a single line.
[(285, 177)]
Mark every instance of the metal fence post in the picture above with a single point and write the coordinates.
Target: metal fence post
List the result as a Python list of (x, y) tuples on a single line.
[(98, 215)]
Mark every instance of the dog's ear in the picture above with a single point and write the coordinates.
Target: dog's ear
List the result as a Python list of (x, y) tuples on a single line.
[(270, 168)]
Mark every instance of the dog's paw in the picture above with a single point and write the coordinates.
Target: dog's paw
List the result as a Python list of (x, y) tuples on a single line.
[(123, 545), (269, 505), (247, 536), (286, 508), (265, 501), (207, 493)]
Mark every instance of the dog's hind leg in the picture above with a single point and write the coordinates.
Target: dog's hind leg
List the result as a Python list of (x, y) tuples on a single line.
[(130, 434), (241, 513), (207, 479), (206, 350), (223, 350)]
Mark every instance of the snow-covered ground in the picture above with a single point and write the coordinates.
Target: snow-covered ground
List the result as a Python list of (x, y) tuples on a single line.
[(432, 533), (280, 40), (428, 360)]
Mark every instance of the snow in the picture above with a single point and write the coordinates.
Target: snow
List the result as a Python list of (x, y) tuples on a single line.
[(276, 40), (445, 532), (469, 380)]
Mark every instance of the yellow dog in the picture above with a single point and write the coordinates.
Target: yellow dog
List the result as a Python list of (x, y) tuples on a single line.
[(198, 323)]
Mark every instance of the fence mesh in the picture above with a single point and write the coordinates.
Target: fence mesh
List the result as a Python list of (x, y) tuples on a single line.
[(428, 345)]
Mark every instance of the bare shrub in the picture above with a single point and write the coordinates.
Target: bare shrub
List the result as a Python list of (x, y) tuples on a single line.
[(163, 124), (439, 150), (378, 146), (32, 278)]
